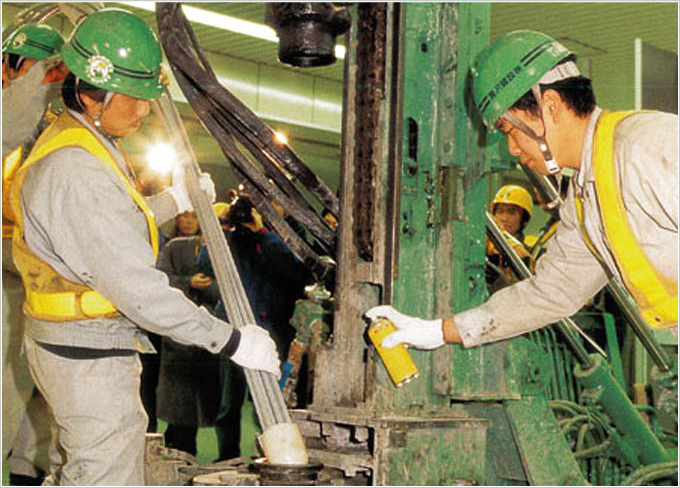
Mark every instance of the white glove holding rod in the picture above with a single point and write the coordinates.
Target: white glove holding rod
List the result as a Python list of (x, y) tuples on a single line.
[(416, 332), (255, 349), (179, 191)]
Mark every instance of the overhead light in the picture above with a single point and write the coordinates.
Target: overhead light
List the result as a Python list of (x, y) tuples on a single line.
[(226, 22), (280, 137), (161, 158)]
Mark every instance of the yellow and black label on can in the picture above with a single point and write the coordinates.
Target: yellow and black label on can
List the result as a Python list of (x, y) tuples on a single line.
[(397, 360)]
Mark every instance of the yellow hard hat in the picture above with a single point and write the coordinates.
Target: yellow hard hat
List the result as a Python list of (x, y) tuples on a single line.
[(221, 209), (515, 195)]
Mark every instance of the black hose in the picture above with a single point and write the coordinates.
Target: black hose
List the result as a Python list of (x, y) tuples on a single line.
[(229, 121)]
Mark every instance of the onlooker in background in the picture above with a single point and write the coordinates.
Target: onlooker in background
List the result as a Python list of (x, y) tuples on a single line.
[(188, 392), (273, 279), (185, 224), (511, 208)]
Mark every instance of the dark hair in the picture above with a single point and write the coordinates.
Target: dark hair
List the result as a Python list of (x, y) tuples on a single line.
[(232, 195), (525, 219), (240, 212), (72, 88), (12, 60), (576, 92)]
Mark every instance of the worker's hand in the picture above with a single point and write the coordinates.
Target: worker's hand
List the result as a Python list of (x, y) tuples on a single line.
[(419, 333), (200, 281), (257, 350), (206, 184), (179, 191)]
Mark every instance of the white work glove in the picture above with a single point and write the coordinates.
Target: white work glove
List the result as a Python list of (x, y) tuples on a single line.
[(419, 333), (179, 191), (257, 350)]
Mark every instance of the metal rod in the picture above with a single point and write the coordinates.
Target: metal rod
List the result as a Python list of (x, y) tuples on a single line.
[(639, 326), (614, 288), (565, 326), (265, 391)]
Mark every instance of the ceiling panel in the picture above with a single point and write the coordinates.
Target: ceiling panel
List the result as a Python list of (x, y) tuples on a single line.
[(215, 40), (592, 27)]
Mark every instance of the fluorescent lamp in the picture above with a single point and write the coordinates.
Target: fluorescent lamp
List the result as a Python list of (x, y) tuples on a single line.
[(226, 22)]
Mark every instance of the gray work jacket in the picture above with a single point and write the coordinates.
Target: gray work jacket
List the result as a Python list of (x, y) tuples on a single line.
[(568, 274), (80, 219)]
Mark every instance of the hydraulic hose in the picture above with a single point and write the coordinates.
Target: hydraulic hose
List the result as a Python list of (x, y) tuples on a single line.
[(230, 121), (646, 474)]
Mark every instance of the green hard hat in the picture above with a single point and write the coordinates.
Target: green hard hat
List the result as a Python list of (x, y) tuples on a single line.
[(116, 50), (34, 41), (509, 68)]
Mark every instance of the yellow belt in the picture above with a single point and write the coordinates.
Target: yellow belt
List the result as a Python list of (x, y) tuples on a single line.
[(64, 306)]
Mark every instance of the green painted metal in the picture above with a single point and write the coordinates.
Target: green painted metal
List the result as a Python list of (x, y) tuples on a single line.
[(523, 392), (503, 465), (613, 349), (643, 447), (435, 453), (442, 254), (546, 456)]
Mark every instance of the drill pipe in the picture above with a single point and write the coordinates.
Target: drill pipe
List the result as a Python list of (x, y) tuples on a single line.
[(565, 325), (267, 398)]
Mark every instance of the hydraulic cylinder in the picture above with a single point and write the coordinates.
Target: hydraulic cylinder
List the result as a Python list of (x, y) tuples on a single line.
[(602, 388)]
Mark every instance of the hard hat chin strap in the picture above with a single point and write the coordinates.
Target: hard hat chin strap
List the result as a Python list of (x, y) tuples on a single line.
[(550, 163), (560, 72), (95, 118)]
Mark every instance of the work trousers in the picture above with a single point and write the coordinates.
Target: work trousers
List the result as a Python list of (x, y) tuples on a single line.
[(25, 425), (99, 417), (228, 421), (17, 386), (30, 449)]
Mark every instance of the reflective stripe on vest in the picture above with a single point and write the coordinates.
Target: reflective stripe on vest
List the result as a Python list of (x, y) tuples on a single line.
[(75, 302), (656, 295)]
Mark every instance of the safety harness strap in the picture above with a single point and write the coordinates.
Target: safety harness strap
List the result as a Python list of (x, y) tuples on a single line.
[(656, 295)]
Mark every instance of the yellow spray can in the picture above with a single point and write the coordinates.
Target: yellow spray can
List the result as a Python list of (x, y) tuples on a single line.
[(397, 360)]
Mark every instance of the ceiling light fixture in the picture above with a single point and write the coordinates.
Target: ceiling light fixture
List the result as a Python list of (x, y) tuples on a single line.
[(280, 137), (226, 22)]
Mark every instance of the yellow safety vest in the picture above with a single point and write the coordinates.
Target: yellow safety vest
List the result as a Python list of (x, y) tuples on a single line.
[(10, 166), (655, 294), (50, 296)]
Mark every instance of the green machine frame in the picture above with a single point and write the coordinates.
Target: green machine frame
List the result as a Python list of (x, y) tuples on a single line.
[(414, 188)]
